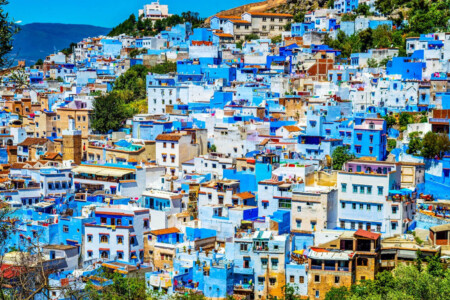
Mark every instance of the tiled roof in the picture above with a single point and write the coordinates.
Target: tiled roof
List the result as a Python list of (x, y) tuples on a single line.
[(291, 128), (270, 15), (240, 21), (245, 195), (223, 35), (168, 137), (33, 141), (367, 234), (165, 231)]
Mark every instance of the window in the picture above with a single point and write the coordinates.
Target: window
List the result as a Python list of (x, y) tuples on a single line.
[(368, 206), (260, 280), (344, 187), (342, 224), (378, 228), (292, 279), (368, 226), (65, 228), (337, 279), (316, 278), (274, 263), (301, 279), (394, 225), (104, 239), (360, 225), (299, 209), (352, 225), (172, 145), (119, 240), (343, 204), (369, 190), (89, 238), (272, 281), (299, 223), (353, 205), (361, 206), (90, 253), (264, 262), (244, 247), (164, 145), (120, 255), (355, 189), (380, 190), (361, 190), (361, 261), (394, 209)]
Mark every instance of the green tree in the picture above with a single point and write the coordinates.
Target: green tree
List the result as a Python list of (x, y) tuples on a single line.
[(363, 9), (252, 36), (213, 148), (7, 31), (133, 80), (405, 119), (340, 156), (348, 17), (276, 39), (164, 68), (390, 121), (69, 50), (415, 143), (299, 17), (435, 145), (391, 144), (109, 113), (330, 4), (372, 63), (39, 62), (404, 282), (239, 44)]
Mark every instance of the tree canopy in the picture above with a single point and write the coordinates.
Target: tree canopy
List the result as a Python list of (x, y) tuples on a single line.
[(109, 113), (340, 156), (7, 31), (405, 282), (435, 145), (145, 27)]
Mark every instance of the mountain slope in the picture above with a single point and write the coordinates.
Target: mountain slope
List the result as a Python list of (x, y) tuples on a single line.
[(37, 40)]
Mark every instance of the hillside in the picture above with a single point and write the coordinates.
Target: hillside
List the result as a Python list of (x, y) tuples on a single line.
[(278, 6), (37, 40)]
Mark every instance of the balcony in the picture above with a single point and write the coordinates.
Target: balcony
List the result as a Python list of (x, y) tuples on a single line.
[(330, 268), (243, 287)]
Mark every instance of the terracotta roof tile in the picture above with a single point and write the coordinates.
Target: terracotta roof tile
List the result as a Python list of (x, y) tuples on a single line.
[(168, 137), (291, 128), (245, 195), (367, 234), (165, 231), (33, 141)]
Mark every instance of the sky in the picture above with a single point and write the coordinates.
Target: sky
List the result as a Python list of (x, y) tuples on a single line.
[(105, 13)]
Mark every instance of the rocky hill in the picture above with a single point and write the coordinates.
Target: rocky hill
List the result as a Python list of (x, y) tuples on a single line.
[(275, 6)]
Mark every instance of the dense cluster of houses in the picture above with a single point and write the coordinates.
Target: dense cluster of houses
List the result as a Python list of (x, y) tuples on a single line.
[(226, 186)]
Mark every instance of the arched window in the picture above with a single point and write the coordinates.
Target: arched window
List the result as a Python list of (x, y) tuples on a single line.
[(120, 240), (362, 261), (104, 239), (104, 254)]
